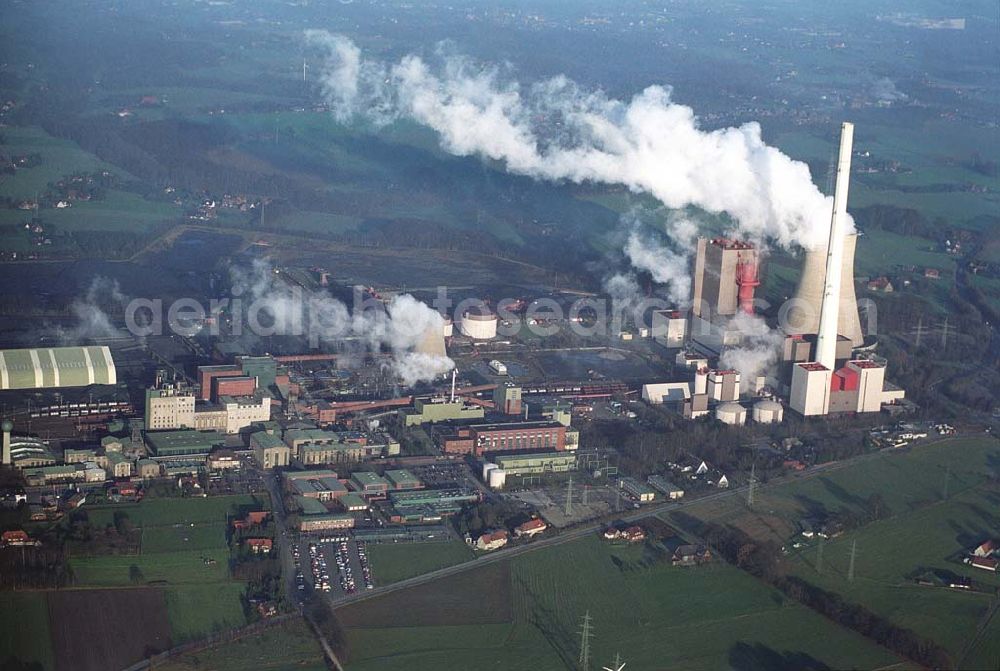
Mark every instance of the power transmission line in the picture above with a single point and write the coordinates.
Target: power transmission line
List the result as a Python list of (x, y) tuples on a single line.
[(585, 635), (753, 485), (819, 555), (854, 554)]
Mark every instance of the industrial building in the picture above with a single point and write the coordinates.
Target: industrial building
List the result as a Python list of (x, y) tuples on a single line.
[(722, 385), (666, 487), (538, 463), (518, 436), (429, 505), (639, 491), (369, 484), (319, 485), (269, 450), (326, 522), (172, 406), (402, 479), (438, 409), (666, 392), (55, 367), (818, 386), (172, 444), (507, 399), (669, 327), (725, 278)]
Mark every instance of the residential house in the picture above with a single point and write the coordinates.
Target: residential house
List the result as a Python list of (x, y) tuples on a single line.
[(492, 541)]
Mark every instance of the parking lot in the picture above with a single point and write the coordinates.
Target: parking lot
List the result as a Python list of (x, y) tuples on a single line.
[(337, 565)]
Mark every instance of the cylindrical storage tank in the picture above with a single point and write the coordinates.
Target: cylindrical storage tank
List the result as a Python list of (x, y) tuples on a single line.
[(478, 324), (731, 413), (487, 467), (498, 478), (768, 412)]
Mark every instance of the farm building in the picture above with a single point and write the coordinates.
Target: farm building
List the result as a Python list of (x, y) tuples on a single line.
[(16, 539), (531, 528), (492, 541), (691, 555), (259, 546)]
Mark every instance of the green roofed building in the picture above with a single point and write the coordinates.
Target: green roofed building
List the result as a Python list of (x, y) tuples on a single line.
[(311, 506), (353, 503), (54, 367), (403, 479), (166, 444)]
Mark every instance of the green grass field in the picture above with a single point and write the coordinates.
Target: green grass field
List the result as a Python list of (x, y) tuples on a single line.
[(184, 551), (286, 647), (24, 628), (198, 609), (392, 563), (656, 615), (186, 537), (924, 536), (170, 511), (880, 251), (59, 159)]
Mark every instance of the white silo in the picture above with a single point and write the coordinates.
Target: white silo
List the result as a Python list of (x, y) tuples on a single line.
[(731, 413), (767, 411), (478, 324)]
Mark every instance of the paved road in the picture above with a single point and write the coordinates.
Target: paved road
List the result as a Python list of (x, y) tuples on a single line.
[(579, 532)]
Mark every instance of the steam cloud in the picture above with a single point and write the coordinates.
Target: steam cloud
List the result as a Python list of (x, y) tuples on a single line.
[(411, 330), (556, 130), (759, 352), (90, 311)]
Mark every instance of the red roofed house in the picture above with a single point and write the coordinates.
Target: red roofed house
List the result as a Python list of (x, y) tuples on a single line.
[(492, 541), (985, 550), (257, 516), (634, 534), (259, 545), (15, 539), (531, 528)]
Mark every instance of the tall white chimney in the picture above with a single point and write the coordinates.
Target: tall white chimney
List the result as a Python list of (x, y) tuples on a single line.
[(826, 340)]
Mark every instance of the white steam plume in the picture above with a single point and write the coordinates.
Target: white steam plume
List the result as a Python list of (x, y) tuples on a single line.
[(759, 353), (406, 327), (90, 311), (556, 130)]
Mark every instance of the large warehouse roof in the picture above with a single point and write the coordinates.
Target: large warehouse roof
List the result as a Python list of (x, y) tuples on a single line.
[(56, 367)]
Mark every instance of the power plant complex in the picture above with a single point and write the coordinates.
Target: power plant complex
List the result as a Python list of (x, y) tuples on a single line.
[(815, 367)]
